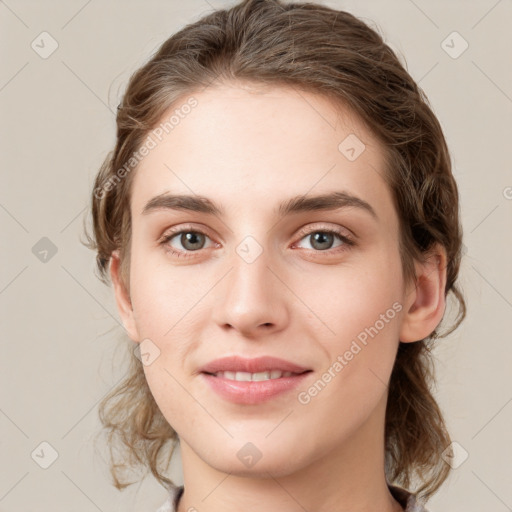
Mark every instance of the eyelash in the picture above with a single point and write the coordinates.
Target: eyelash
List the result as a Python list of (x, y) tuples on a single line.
[(347, 242)]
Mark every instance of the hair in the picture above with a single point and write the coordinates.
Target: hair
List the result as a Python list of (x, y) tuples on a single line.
[(332, 53)]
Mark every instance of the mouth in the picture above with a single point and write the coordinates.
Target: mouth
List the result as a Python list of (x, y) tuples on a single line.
[(251, 381)]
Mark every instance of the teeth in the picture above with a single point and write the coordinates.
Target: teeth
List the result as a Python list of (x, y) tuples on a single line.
[(245, 376)]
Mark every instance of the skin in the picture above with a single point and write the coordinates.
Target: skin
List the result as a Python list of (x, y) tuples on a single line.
[(247, 149)]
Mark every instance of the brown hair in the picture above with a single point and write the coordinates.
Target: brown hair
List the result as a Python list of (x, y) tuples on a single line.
[(312, 48)]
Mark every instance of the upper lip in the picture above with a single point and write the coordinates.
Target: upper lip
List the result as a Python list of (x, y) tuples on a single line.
[(255, 365)]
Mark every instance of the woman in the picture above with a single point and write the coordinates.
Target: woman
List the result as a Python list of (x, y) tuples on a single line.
[(281, 226)]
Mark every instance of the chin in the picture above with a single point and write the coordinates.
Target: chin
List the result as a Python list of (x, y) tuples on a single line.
[(256, 459)]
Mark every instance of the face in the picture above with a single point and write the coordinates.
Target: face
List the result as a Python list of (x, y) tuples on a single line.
[(320, 287)]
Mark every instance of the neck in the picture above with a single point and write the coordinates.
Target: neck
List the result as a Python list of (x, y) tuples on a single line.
[(348, 478)]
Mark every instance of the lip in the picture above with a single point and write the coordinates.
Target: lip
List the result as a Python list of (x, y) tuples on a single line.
[(253, 392), (251, 365)]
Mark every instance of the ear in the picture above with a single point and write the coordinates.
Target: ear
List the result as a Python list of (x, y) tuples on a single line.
[(425, 301), (124, 305)]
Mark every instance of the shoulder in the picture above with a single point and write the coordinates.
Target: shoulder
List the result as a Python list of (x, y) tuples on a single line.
[(170, 504), (408, 500), (166, 507)]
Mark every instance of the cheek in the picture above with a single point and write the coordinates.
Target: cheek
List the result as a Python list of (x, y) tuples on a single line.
[(360, 315), (357, 316), (348, 299), (170, 309), (162, 295)]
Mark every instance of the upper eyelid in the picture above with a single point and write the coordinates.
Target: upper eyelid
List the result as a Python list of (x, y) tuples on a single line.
[(322, 227), (171, 232)]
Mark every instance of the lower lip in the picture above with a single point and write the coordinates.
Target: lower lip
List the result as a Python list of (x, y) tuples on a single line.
[(252, 392)]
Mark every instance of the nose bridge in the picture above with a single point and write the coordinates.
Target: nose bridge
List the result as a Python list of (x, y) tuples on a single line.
[(251, 297)]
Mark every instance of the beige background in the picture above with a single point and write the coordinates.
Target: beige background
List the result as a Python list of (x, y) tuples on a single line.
[(59, 323)]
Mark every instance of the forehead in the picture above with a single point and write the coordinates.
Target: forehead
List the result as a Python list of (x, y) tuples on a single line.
[(243, 145)]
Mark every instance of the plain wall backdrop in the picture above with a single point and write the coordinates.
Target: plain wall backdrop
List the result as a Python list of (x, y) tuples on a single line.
[(60, 326)]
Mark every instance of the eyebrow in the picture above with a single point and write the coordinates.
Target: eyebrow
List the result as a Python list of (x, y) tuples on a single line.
[(302, 203)]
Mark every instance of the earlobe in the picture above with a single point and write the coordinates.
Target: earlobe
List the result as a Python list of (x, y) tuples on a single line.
[(123, 300), (426, 302)]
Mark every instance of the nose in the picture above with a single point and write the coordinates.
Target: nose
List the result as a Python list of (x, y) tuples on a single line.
[(252, 299)]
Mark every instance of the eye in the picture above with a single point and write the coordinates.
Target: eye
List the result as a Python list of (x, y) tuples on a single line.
[(322, 239), (187, 240), (181, 243)]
